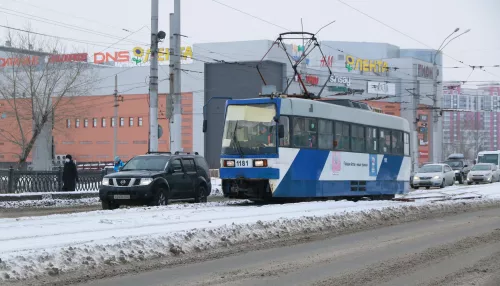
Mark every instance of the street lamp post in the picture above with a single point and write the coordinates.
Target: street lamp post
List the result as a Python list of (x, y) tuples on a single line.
[(436, 102)]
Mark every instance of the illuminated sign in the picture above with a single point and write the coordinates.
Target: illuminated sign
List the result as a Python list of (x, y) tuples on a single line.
[(326, 61), (385, 88), (365, 65), (340, 79)]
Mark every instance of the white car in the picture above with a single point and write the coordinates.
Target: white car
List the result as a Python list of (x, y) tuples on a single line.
[(483, 173), (434, 175)]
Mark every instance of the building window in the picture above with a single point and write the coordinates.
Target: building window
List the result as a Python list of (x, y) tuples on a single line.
[(122, 121), (77, 123), (139, 121), (68, 123), (103, 122), (94, 122), (85, 123), (113, 122), (131, 121)]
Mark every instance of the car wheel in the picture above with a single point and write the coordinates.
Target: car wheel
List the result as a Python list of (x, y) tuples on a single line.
[(416, 188), (107, 205), (160, 198), (443, 184), (201, 195), (427, 188)]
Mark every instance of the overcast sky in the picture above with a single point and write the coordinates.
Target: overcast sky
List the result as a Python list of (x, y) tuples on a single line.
[(428, 21)]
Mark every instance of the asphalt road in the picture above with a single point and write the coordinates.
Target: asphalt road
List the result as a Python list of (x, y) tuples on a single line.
[(462, 249)]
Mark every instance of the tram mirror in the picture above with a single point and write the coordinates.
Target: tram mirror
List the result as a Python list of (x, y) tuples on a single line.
[(281, 131), (204, 125)]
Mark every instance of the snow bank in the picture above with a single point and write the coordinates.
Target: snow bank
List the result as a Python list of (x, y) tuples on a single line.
[(50, 203), (50, 245)]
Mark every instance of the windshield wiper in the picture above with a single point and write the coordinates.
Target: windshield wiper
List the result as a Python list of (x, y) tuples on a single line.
[(235, 140)]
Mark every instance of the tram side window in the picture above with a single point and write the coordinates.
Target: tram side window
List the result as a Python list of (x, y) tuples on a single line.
[(305, 132), (358, 138), (397, 142), (406, 144), (325, 134), (285, 141), (342, 136), (385, 141), (371, 140)]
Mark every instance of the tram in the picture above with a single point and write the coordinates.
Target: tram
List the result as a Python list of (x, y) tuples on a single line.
[(285, 148)]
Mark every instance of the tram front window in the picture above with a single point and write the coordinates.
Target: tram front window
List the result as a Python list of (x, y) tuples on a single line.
[(250, 130)]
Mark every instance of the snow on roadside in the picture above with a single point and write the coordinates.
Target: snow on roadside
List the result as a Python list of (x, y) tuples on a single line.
[(55, 244), (50, 203)]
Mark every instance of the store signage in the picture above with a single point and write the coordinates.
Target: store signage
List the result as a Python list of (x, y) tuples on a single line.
[(365, 65), (340, 79), (140, 55), (82, 57), (326, 61), (309, 79), (426, 71), (24, 61), (338, 88), (297, 51), (375, 87)]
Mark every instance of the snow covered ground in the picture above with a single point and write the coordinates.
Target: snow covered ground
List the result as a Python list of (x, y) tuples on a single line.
[(48, 201), (50, 245)]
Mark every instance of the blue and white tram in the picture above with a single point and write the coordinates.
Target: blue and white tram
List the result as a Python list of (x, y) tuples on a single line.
[(294, 148)]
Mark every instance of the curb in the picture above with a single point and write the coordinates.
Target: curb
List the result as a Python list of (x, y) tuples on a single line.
[(53, 196)]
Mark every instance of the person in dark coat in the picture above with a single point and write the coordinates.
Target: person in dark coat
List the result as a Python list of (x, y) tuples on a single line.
[(70, 175)]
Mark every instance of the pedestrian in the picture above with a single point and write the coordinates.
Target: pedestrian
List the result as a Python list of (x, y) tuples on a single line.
[(118, 164), (70, 174)]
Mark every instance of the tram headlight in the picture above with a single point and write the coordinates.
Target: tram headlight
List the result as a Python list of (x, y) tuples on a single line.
[(260, 163), (228, 163)]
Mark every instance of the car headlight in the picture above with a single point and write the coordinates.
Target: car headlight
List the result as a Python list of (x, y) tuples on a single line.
[(145, 181), (436, 177), (416, 178), (105, 182)]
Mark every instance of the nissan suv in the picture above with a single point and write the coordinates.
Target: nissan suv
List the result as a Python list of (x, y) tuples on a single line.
[(155, 178)]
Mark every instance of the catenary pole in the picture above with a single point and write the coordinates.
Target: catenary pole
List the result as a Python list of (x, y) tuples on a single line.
[(153, 80), (176, 96), (115, 128)]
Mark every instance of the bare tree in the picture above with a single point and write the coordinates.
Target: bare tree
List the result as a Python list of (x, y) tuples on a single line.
[(35, 77)]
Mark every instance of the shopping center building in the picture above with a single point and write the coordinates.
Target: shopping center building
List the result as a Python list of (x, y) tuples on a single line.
[(384, 75)]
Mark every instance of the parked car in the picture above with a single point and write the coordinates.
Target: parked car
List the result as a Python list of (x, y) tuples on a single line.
[(460, 166), (483, 173), (156, 178), (434, 175)]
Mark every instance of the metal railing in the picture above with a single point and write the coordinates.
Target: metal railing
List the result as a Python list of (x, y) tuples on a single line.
[(15, 181)]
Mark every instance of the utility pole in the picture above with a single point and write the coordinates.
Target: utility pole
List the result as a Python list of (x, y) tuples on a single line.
[(153, 80), (170, 97), (414, 136), (115, 128), (176, 95)]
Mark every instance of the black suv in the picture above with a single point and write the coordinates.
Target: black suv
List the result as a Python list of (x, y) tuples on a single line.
[(460, 165), (155, 178)]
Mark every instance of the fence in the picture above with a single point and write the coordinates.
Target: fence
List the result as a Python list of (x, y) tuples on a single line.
[(15, 181)]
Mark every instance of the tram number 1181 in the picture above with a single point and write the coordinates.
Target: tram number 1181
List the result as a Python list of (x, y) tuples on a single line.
[(242, 163)]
